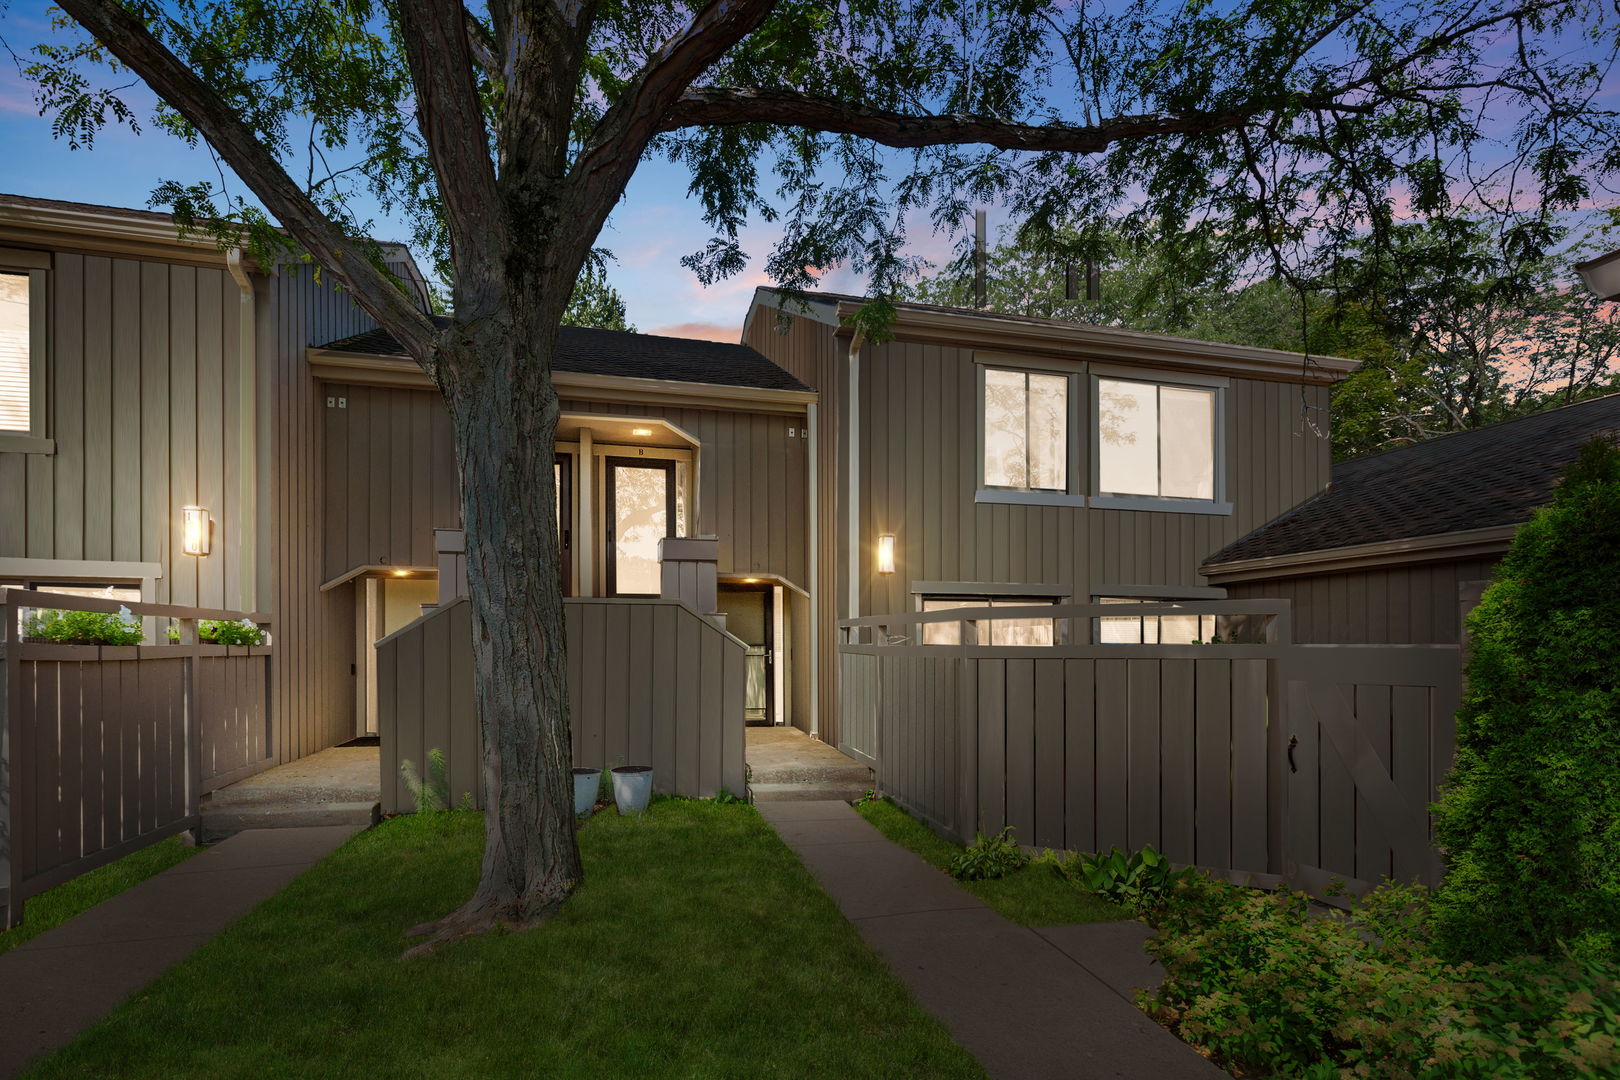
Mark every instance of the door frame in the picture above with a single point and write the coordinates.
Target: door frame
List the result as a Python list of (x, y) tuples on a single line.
[(772, 644), (610, 465), (566, 463)]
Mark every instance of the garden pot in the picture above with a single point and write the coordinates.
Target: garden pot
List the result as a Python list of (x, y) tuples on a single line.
[(587, 782), (632, 787)]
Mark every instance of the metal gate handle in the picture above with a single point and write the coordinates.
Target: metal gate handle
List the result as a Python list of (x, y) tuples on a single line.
[(1293, 741)]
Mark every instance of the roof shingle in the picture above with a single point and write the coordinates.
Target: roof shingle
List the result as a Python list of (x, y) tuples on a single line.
[(589, 351), (1490, 476)]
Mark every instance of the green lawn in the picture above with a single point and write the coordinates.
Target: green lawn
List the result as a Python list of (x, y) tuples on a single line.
[(1034, 896), (699, 946), (56, 906)]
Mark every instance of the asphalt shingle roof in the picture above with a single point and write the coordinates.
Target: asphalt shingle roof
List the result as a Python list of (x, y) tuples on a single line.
[(1490, 476), (589, 351)]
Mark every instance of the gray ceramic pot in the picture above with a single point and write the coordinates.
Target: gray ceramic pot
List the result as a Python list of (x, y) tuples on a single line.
[(632, 788), (587, 782)]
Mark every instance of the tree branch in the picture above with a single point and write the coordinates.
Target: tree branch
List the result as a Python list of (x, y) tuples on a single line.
[(641, 113), (481, 44), (126, 37), (716, 106), (451, 117)]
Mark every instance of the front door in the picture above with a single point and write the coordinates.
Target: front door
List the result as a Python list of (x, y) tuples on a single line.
[(750, 618), (640, 496)]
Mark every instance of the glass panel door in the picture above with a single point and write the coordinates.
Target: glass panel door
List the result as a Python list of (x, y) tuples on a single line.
[(640, 512), (563, 470)]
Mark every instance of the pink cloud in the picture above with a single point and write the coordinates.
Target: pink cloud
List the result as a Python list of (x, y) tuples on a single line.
[(701, 331)]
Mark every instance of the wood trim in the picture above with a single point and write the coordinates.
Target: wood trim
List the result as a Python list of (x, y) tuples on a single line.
[(24, 259), (333, 365), (1438, 547), (1073, 341), (1160, 592), (94, 232), (987, 588), (381, 571), (760, 578)]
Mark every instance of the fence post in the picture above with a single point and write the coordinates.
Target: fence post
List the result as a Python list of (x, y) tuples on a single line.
[(11, 904)]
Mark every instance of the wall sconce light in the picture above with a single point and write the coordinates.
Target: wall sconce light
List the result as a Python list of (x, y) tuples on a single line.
[(642, 431), (195, 530), (885, 554)]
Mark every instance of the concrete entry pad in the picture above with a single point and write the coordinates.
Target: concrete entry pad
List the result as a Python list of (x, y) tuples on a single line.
[(338, 786), (1024, 1006), (58, 984), (786, 765)]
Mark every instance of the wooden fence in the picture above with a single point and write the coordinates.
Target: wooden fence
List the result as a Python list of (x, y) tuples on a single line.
[(651, 682), (106, 749), (1262, 761)]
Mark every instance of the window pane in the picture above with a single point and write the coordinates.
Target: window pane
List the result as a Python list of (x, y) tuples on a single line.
[(1187, 448), (683, 481), (944, 633), (1020, 631), (1178, 629), (1127, 438), (1004, 417), (640, 520), (14, 343), (1049, 432)]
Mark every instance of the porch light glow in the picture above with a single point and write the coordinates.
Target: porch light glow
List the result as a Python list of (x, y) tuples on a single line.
[(641, 431), (885, 554), (194, 530)]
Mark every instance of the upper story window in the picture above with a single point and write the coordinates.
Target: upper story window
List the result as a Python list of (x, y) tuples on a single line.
[(16, 360), (1025, 420), (1155, 440)]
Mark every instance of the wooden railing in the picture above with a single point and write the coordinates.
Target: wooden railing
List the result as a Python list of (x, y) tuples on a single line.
[(651, 682), (107, 749), (1250, 759)]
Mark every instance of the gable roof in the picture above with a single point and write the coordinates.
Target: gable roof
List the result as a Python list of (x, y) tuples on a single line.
[(1487, 477), (622, 354)]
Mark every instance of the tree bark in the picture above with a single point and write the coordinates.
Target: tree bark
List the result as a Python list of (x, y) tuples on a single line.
[(505, 421)]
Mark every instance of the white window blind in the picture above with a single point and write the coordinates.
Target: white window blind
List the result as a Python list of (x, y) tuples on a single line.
[(15, 389)]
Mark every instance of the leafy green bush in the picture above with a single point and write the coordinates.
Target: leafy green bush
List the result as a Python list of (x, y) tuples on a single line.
[(1139, 881), (1273, 987), (1529, 818), (83, 627), (989, 857), (431, 794), (224, 632)]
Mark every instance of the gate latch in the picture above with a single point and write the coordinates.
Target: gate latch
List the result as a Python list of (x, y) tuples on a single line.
[(1293, 741)]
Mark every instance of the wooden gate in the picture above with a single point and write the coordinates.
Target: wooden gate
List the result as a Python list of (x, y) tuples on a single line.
[(1370, 736)]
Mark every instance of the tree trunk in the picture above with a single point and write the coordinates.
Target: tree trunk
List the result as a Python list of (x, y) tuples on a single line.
[(497, 383)]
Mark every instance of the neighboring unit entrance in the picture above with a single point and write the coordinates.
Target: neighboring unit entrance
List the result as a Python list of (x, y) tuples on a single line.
[(640, 512), (749, 616)]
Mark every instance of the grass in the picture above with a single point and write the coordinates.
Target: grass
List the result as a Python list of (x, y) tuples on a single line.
[(1033, 896), (699, 946), (53, 907)]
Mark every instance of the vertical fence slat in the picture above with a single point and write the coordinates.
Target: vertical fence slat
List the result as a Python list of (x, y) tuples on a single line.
[(1213, 749), (1373, 855), (1080, 756), (1250, 800), (1177, 751), (1410, 741), (1143, 753), (1113, 727), (992, 744), (1049, 753)]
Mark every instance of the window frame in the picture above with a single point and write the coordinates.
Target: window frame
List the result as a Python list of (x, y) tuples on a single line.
[(1072, 460), (1219, 504), (985, 600), (36, 265)]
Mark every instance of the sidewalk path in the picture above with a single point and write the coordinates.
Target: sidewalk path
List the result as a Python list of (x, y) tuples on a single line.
[(61, 982), (1026, 1003)]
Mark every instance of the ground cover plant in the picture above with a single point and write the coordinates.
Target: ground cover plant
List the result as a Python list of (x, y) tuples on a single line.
[(1040, 893), (82, 627), (699, 946), (1529, 819), (53, 907), (1271, 987)]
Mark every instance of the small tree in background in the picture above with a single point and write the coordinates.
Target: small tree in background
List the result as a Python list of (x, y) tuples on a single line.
[(1530, 815), (596, 302)]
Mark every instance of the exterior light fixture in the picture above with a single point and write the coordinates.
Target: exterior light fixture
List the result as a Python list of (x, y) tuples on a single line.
[(402, 573), (641, 431), (750, 581), (885, 554), (195, 530)]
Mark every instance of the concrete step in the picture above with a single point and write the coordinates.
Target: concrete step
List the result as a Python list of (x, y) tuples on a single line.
[(237, 817), (843, 791)]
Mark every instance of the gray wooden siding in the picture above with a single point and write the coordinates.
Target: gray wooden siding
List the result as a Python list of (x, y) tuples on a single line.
[(1401, 605), (143, 402), (390, 480), (314, 691), (683, 716)]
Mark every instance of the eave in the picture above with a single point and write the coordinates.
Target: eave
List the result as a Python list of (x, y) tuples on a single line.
[(1077, 342), (92, 233), (331, 365), (1438, 547)]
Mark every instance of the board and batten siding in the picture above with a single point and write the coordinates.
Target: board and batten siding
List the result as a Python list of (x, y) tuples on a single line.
[(142, 397), (1416, 604), (313, 693), (390, 479)]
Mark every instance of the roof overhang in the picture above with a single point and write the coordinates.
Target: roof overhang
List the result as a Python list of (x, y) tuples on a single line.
[(1602, 275), (1439, 547), (1077, 341), (331, 365), (99, 232)]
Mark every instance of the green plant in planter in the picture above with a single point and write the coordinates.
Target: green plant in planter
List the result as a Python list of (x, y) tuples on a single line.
[(1139, 881), (224, 632), (989, 857), (82, 627)]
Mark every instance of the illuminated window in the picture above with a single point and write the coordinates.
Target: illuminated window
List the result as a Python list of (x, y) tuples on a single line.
[(1025, 421), (1024, 631), (1155, 440)]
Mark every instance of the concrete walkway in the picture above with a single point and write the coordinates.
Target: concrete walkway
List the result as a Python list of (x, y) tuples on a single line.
[(1029, 1004), (61, 982), (337, 786), (787, 765)]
